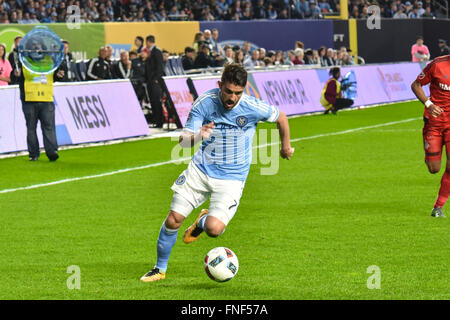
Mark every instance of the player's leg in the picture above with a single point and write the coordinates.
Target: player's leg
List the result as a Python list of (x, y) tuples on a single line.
[(432, 143), (224, 202), (179, 210), (433, 138), (30, 112), (444, 190), (189, 193), (47, 118), (341, 103)]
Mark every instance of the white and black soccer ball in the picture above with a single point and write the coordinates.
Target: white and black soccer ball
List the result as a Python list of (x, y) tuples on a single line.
[(221, 264)]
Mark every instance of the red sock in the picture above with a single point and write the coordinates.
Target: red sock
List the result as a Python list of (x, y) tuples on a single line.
[(444, 191)]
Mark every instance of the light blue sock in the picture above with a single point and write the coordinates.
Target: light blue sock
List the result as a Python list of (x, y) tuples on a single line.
[(202, 221), (166, 241)]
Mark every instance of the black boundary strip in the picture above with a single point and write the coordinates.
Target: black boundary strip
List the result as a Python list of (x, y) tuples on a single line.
[(223, 309)]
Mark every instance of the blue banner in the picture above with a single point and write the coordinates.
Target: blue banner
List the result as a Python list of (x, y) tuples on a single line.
[(275, 35)]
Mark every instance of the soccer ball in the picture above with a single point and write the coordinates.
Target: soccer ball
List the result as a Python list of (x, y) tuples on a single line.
[(221, 264)]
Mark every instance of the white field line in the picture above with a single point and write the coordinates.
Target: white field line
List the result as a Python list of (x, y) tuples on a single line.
[(40, 185)]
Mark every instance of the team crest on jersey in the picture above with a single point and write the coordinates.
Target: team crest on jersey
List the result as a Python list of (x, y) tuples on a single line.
[(181, 179), (241, 121), (421, 75)]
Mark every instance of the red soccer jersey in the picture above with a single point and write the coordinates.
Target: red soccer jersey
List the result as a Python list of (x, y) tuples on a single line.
[(437, 74)]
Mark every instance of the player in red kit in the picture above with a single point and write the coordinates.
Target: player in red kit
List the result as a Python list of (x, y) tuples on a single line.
[(436, 129)]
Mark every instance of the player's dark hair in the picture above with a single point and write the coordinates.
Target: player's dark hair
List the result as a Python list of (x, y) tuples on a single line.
[(140, 39), (189, 49), (335, 71), (235, 74), (150, 38)]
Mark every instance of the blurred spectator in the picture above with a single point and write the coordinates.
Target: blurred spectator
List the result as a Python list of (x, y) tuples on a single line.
[(271, 12), (253, 61), (299, 44), (308, 57), (400, 14), (260, 11), (268, 62), (13, 59), (246, 49), (216, 47), (279, 58), (122, 69), (138, 78), (419, 51), (408, 8), (322, 56), (420, 8), (239, 57), (329, 58), (229, 54), (302, 9), (291, 58), (414, 13), (139, 43), (204, 59), (314, 10), (444, 49), (207, 39), (5, 67), (198, 38), (132, 54), (109, 53), (316, 58), (347, 59), (188, 59), (299, 54), (324, 6), (99, 68), (262, 54), (428, 13)]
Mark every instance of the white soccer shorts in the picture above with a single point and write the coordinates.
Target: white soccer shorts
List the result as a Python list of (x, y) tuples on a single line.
[(192, 188)]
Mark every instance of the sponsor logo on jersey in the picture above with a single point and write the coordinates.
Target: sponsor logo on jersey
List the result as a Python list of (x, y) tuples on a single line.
[(444, 86)]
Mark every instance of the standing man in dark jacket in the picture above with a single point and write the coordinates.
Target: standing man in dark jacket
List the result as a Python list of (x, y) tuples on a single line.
[(67, 65), (154, 67)]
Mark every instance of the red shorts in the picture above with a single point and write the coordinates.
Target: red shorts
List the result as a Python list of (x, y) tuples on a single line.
[(436, 134)]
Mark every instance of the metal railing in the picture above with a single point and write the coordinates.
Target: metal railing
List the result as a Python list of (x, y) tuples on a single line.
[(442, 7)]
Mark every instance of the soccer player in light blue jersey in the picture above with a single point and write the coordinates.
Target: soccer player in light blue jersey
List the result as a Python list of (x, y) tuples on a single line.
[(224, 120)]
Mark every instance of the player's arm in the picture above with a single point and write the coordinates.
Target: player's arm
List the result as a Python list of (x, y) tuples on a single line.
[(416, 87), (286, 151), (189, 139)]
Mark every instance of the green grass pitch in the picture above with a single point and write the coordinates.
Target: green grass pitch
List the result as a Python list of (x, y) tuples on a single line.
[(344, 202)]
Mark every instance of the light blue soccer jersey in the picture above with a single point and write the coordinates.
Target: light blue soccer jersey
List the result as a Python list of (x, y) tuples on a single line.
[(227, 154)]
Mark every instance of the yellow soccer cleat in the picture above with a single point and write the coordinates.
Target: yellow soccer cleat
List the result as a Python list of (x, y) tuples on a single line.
[(193, 232), (153, 275)]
